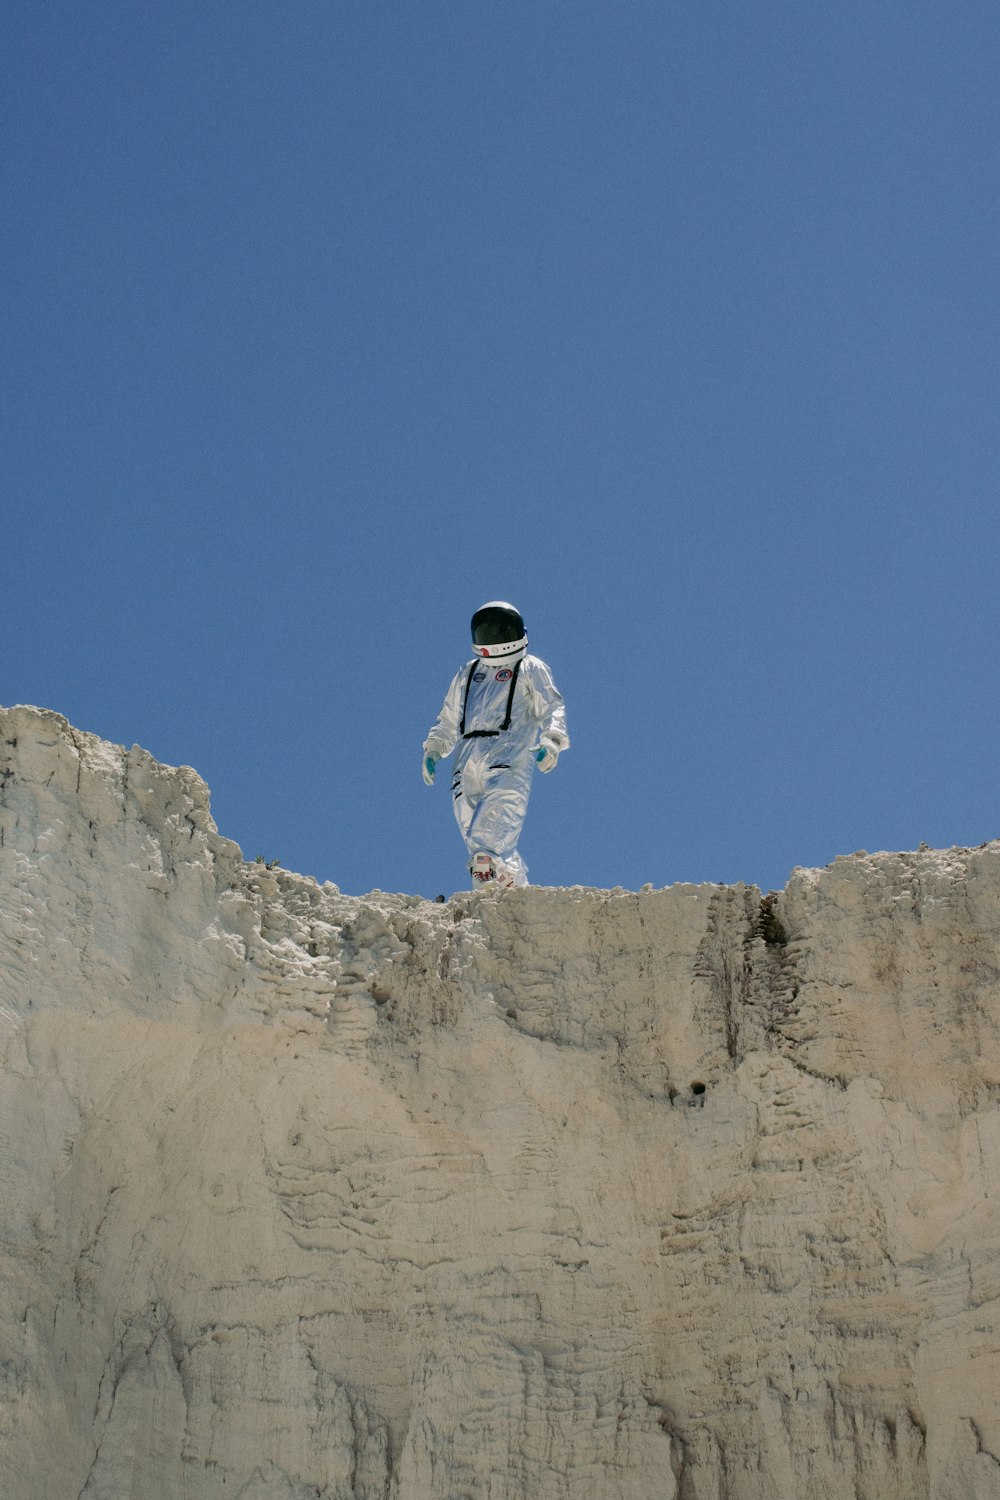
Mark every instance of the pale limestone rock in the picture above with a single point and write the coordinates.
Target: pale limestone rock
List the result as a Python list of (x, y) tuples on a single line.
[(677, 1195)]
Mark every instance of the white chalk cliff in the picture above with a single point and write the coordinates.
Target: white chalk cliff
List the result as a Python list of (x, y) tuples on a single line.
[(536, 1195)]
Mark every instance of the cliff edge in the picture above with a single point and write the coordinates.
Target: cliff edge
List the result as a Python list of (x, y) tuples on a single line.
[(687, 1194)]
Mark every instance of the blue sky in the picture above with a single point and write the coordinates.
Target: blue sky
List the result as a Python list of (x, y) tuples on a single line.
[(675, 323)]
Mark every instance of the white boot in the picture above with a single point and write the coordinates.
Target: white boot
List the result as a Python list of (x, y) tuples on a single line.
[(487, 869), (482, 871)]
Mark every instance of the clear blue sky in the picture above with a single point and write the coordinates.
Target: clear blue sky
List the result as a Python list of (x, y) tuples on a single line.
[(675, 323)]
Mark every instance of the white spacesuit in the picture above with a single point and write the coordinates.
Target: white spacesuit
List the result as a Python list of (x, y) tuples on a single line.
[(506, 716)]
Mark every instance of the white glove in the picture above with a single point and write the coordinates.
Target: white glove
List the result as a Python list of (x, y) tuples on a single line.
[(429, 766), (547, 754)]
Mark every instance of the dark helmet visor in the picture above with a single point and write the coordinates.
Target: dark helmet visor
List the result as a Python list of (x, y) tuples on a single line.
[(493, 627)]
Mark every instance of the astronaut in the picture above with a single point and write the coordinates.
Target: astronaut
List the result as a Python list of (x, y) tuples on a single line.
[(505, 715)]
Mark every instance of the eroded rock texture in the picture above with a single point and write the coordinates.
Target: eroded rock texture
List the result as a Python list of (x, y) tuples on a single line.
[(551, 1195)]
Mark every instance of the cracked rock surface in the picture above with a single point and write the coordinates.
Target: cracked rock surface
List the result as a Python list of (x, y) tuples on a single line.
[(687, 1194)]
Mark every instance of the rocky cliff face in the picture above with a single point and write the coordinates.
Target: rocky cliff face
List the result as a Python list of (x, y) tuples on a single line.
[(589, 1195)]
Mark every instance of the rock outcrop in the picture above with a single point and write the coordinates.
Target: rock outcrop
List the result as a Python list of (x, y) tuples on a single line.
[(538, 1195)]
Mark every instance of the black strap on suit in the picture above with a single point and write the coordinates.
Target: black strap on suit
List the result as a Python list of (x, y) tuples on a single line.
[(488, 734)]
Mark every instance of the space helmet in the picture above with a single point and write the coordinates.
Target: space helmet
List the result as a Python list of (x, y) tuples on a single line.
[(498, 631)]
